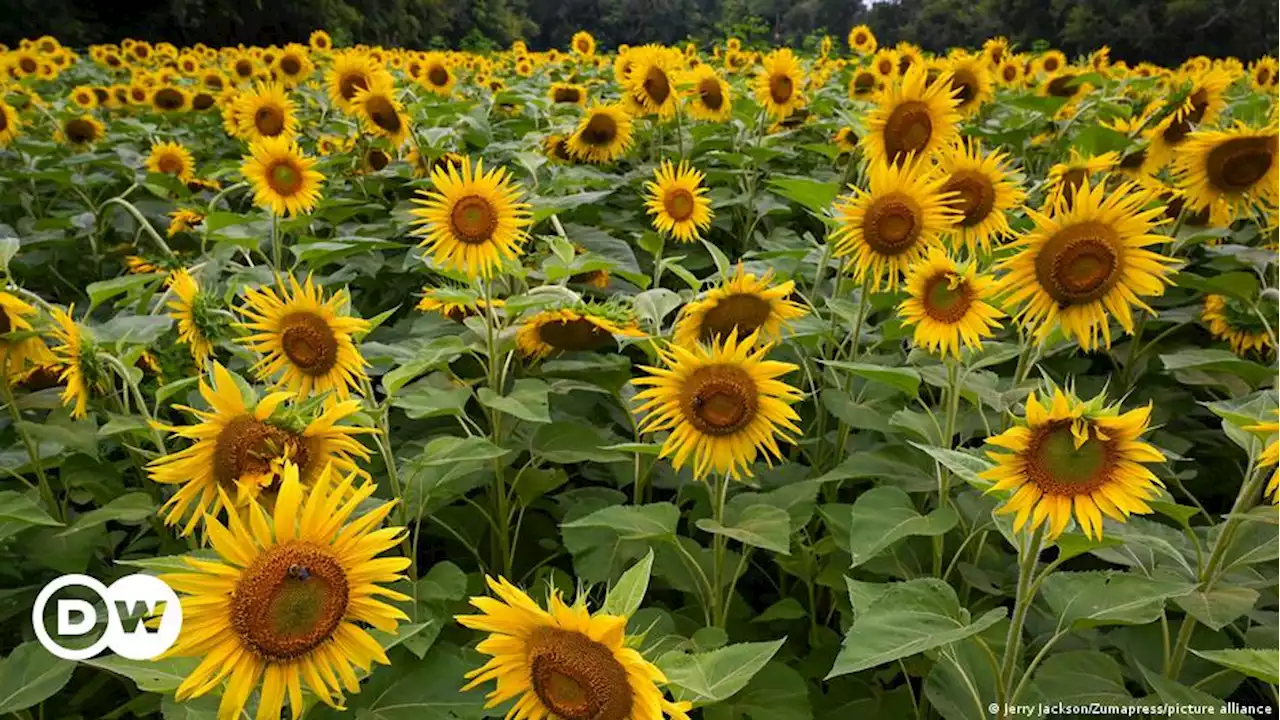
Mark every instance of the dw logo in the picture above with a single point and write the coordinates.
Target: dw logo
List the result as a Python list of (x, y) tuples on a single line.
[(79, 617)]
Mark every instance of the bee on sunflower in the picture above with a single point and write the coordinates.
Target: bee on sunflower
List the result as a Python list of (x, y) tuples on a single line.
[(1074, 454), (582, 327), (743, 303), (949, 305), (678, 201)]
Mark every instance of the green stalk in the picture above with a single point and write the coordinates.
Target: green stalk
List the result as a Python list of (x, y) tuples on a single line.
[(502, 509), (954, 379), (1027, 557), (719, 545), (33, 450)]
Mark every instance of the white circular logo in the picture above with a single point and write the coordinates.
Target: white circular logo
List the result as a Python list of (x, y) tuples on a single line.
[(128, 595)]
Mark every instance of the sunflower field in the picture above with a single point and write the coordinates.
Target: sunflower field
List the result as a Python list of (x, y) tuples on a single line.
[(672, 382)]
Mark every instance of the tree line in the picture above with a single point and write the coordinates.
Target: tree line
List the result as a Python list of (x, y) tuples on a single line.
[(1161, 31)]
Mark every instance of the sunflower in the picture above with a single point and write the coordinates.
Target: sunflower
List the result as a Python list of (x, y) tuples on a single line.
[(183, 220), (651, 82), (81, 131), (169, 98), (78, 358), (1264, 74), (563, 662), (677, 201), (1080, 262), (583, 44), (1204, 101), (350, 72), (26, 348), (984, 194), (567, 94), (436, 75), (582, 328), (194, 312), (472, 220), (304, 339), (709, 96), (948, 305), (240, 448), (266, 112), (864, 83), (1074, 454), (10, 123), (1233, 168), (861, 40), (1065, 179), (381, 114), (294, 66), (320, 41), (374, 160), (84, 97), (1051, 62), (286, 602), (970, 83), (890, 226), (845, 140), (171, 158), (603, 134), (1270, 457), (456, 305), (779, 84), (1010, 73), (885, 64), (722, 403), (282, 177), (742, 304), (1237, 324), (913, 117)]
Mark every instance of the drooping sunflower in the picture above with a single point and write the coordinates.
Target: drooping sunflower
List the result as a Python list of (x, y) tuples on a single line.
[(287, 599), (651, 82), (183, 220), (240, 449), (583, 44), (1270, 457), (1233, 168), (779, 86), (22, 350), (1065, 179), (722, 403), (861, 40), (709, 96), (472, 221), (603, 134), (304, 340), (1076, 455), (81, 131), (678, 201), (567, 94), (885, 229), (970, 83), (1082, 262), (913, 117), (1237, 324), (192, 309), (10, 123), (283, 179), (742, 303), (78, 358), (266, 112), (456, 305), (171, 158), (949, 305), (984, 195), (563, 662), (381, 113), (581, 328)]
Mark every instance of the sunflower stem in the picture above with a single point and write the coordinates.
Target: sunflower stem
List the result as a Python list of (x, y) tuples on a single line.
[(948, 435), (382, 437), (123, 372), (142, 223), (502, 511), (719, 544), (1027, 557), (679, 134), (33, 450), (842, 432)]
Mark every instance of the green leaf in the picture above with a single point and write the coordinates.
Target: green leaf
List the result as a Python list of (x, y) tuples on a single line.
[(435, 354), (711, 677), (626, 595), (31, 675), (1220, 606), (1208, 360), (962, 681), (723, 267), (905, 379), (1081, 677), (777, 692), (1175, 693), (813, 194), (965, 466), (884, 515), (19, 512), (447, 468), (762, 526), (1088, 599), (899, 620), (168, 390), (527, 401), (785, 609), (1239, 285), (633, 522), (432, 396), (413, 689), (572, 442), (1074, 544), (1261, 664), (101, 291), (131, 509), (162, 676)]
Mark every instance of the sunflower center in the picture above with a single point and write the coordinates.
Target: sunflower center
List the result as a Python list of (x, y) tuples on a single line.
[(168, 99), (1058, 467), (1080, 263), (309, 343), (290, 65), (1010, 73), (1134, 160), (947, 298), (1051, 64), (289, 601), (202, 101), (965, 85), (565, 95), (601, 129), (377, 159), (710, 93), (679, 204), (4, 120), (81, 131), (1237, 164), (741, 311), (891, 226), (656, 85), (350, 83), (170, 163), (885, 66), (5, 325), (1063, 86), (579, 334), (383, 113), (1071, 181), (269, 121), (438, 76), (720, 400), (781, 88), (907, 130), (473, 220), (246, 446), (975, 196), (577, 678), (284, 177), (1264, 76), (864, 83)]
